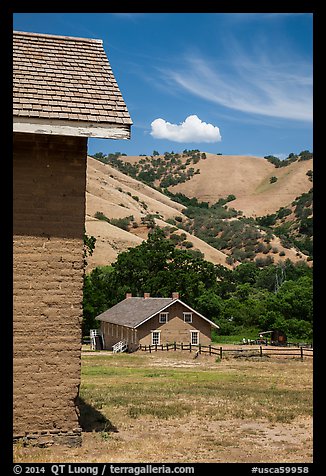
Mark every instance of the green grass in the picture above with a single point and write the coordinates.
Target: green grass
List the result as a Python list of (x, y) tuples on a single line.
[(250, 333), (247, 390), (231, 339), (170, 407)]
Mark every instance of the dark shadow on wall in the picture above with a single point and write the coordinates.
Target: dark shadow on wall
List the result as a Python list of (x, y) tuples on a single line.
[(91, 419), (49, 183)]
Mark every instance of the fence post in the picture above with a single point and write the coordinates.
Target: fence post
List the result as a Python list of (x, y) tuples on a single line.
[(221, 352), (175, 345), (181, 345), (210, 349), (150, 348), (167, 346), (190, 347), (301, 352), (199, 348), (260, 351)]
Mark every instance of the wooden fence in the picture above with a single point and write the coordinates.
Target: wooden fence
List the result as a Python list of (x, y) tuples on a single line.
[(301, 351)]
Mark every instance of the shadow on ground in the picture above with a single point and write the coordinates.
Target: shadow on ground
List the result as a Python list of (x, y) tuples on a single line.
[(91, 419)]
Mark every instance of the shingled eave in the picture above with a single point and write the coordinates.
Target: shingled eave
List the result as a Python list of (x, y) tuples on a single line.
[(65, 86), (102, 130)]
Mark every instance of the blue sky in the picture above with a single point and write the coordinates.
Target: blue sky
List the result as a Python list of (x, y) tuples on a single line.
[(231, 83)]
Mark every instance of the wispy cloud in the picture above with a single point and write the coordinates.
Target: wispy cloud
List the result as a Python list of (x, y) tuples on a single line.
[(268, 85), (192, 129), (129, 16), (236, 18)]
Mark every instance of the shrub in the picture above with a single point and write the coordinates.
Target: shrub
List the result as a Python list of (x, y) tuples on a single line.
[(310, 175), (283, 212), (176, 238), (101, 216), (267, 220), (230, 260), (261, 262), (122, 223), (305, 155)]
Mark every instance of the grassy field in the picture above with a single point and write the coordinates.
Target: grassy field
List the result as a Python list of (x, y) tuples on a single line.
[(170, 407)]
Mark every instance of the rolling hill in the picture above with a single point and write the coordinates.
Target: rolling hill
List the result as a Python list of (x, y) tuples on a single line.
[(117, 196), (246, 177), (120, 209)]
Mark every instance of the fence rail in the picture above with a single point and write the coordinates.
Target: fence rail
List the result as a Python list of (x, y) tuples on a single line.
[(301, 351)]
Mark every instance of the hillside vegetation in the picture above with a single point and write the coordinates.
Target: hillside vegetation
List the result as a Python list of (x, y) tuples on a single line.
[(247, 273), (120, 211), (209, 177), (129, 196)]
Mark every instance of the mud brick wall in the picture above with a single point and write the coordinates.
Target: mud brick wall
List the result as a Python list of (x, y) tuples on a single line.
[(49, 216), (175, 330)]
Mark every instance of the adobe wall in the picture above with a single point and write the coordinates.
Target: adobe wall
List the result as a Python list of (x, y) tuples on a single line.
[(48, 219), (175, 330), (113, 333)]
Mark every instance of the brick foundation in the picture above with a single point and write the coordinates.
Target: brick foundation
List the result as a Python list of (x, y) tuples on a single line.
[(45, 439)]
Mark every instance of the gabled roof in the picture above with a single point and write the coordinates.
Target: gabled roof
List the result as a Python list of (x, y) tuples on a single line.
[(66, 82), (134, 311)]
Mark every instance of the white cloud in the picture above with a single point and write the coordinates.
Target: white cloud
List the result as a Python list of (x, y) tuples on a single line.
[(192, 129)]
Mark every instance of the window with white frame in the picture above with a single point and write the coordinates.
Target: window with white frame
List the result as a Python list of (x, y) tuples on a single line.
[(156, 337), (163, 317), (194, 337), (187, 316)]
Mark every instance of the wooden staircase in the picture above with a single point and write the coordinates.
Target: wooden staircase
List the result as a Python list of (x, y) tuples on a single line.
[(120, 346)]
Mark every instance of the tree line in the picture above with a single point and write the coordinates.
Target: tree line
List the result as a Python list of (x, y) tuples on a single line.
[(264, 298), (277, 162)]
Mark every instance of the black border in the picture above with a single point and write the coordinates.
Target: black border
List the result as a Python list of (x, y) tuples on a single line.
[(60, 6)]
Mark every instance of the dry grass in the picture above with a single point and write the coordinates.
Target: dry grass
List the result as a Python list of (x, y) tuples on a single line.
[(170, 407), (246, 177)]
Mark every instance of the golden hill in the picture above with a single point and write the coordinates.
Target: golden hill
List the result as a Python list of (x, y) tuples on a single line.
[(248, 178), (117, 195)]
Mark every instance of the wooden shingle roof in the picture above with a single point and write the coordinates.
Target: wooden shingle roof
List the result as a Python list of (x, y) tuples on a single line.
[(66, 82), (134, 311)]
